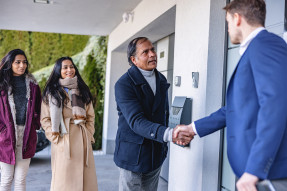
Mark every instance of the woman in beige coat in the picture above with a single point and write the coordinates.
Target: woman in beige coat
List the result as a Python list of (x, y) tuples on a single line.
[(67, 116)]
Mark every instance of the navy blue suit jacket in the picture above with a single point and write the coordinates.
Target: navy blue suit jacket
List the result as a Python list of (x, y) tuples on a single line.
[(143, 118), (256, 110)]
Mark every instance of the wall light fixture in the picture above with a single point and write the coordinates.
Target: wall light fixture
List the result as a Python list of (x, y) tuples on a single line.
[(128, 16)]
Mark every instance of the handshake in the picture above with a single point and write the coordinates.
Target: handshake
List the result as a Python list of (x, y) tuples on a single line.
[(183, 134)]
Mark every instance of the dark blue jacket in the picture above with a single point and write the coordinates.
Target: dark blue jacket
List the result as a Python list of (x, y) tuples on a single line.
[(143, 118), (256, 110)]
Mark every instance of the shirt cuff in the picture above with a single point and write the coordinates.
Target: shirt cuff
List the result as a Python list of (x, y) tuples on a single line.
[(194, 128), (167, 137)]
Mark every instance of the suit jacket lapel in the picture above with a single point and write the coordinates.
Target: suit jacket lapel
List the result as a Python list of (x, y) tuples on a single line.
[(233, 73)]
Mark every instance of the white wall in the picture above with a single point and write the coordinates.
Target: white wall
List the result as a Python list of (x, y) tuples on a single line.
[(212, 153), (146, 12), (116, 65), (191, 50)]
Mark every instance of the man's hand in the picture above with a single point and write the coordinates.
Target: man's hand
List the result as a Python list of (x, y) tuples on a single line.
[(247, 182), (182, 134)]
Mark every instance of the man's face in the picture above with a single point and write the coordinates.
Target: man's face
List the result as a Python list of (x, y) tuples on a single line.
[(233, 28), (145, 57)]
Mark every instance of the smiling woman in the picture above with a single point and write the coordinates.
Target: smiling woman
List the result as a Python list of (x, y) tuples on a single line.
[(67, 116), (68, 69)]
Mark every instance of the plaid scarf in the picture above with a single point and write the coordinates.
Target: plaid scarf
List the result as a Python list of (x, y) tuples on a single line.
[(78, 106)]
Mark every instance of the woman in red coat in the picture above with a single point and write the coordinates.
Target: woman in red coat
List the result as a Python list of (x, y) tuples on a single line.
[(20, 101)]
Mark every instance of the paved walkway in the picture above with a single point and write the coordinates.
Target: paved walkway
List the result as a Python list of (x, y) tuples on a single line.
[(39, 175)]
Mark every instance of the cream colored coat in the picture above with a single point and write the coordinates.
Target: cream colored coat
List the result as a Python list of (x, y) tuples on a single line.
[(71, 171)]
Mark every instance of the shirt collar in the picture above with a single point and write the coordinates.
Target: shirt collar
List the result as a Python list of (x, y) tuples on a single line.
[(247, 41)]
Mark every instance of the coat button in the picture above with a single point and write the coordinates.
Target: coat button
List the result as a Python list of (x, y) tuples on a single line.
[(152, 134)]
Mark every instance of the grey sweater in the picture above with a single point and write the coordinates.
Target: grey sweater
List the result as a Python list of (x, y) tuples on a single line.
[(150, 78), (19, 94)]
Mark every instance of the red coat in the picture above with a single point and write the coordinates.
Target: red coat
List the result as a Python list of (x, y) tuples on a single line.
[(7, 123)]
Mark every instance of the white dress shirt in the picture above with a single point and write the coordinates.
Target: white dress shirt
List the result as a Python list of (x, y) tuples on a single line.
[(244, 45)]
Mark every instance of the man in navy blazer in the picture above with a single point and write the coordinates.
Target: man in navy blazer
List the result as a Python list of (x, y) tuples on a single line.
[(256, 101), (142, 104)]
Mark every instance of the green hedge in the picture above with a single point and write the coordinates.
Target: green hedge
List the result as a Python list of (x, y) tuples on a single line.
[(94, 75), (42, 49), (10, 40)]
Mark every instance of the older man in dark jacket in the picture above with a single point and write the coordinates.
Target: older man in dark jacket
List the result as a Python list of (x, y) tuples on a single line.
[(142, 104)]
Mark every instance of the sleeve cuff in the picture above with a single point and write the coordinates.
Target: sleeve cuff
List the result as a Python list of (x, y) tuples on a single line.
[(167, 137), (194, 128)]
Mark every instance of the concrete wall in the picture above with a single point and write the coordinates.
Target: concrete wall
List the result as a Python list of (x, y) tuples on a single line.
[(215, 85), (116, 66), (146, 12), (191, 51), (199, 47)]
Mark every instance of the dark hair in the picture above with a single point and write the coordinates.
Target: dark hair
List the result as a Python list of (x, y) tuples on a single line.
[(132, 47), (6, 71), (254, 11), (54, 88)]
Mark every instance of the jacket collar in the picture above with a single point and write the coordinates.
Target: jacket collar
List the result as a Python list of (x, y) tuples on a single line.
[(138, 79), (29, 78), (136, 75), (243, 46), (258, 35), (161, 85)]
